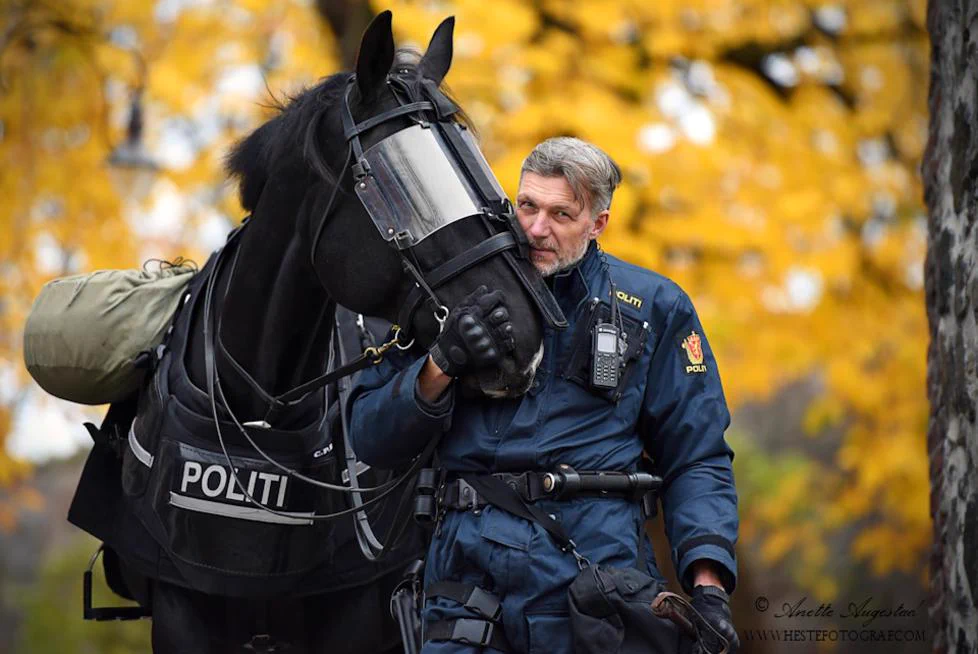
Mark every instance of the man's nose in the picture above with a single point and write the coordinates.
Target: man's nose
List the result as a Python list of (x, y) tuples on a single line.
[(539, 227)]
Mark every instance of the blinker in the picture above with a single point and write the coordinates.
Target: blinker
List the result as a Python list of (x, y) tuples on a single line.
[(429, 175)]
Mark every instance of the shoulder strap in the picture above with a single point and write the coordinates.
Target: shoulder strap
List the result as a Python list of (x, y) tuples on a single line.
[(501, 495)]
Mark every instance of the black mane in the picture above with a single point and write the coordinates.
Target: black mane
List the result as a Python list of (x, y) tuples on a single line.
[(304, 124), (297, 128)]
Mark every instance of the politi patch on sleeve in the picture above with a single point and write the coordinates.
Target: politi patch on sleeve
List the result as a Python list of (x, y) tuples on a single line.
[(693, 346)]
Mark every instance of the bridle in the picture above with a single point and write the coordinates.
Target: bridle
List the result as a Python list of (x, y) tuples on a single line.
[(390, 200)]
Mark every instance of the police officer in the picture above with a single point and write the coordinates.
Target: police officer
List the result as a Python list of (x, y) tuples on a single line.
[(496, 580)]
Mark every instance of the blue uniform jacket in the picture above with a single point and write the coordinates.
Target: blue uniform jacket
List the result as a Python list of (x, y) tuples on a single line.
[(671, 404)]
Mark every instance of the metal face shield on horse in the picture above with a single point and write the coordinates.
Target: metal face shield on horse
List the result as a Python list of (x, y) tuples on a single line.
[(411, 187), (428, 176)]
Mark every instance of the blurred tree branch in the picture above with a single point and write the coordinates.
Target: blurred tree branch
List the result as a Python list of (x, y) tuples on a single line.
[(347, 19)]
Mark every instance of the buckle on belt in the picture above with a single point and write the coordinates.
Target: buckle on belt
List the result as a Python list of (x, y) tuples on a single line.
[(467, 497), (473, 632), (484, 603)]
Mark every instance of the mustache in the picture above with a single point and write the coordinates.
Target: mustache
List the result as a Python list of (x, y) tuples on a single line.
[(544, 245)]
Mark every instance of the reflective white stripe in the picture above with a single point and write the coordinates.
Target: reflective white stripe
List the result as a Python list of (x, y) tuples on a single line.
[(144, 457), (361, 468), (252, 513)]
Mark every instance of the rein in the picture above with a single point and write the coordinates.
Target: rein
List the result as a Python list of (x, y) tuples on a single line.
[(493, 206), (370, 356)]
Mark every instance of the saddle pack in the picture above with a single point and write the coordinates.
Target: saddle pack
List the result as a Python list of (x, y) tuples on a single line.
[(84, 334)]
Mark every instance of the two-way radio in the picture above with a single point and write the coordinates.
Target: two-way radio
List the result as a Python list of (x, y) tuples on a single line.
[(606, 353)]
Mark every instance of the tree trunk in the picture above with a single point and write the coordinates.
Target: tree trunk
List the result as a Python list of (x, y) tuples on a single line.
[(348, 19), (950, 171)]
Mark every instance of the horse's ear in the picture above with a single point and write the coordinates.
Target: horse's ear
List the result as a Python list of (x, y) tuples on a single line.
[(438, 58), (376, 54)]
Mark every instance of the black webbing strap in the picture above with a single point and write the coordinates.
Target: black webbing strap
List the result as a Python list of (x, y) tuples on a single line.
[(475, 599), (469, 631), (451, 268), (499, 494)]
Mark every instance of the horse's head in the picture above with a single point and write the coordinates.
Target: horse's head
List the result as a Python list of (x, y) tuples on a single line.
[(390, 180)]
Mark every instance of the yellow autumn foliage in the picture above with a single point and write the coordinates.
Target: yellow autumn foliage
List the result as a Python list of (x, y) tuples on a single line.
[(769, 147)]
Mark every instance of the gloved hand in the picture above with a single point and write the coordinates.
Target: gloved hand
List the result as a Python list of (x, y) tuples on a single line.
[(477, 334), (713, 604)]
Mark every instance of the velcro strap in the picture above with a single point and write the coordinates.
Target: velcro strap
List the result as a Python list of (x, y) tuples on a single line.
[(708, 539), (470, 631), (471, 597)]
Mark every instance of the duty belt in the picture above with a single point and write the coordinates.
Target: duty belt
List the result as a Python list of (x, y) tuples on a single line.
[(564, 483)]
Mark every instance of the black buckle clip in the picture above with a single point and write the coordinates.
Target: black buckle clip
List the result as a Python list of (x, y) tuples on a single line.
[(467, 497), (483, 603), (473, 632)]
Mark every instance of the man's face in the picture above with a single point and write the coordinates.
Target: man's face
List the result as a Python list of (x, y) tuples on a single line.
[(557, 226)]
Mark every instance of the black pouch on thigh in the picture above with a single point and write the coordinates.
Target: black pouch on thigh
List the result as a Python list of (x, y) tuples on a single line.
[(577, 366), (610, 612)]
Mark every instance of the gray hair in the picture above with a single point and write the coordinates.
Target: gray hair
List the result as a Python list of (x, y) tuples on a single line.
[(591, 173)]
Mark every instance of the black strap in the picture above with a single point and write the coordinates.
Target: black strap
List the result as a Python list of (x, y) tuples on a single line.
[(90, 612), (471, 597), (707, 539), (501, 495), (360, 128), (451, 268), (215, 394), (470, 631), (474, 255), (475, 169), (370, 547), (444, 107)]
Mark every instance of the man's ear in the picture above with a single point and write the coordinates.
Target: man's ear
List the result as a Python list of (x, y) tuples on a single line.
[(376, 54), (600, 222), (438, 57)]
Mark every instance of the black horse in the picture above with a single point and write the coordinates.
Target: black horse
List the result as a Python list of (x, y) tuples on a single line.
[(308, 245)]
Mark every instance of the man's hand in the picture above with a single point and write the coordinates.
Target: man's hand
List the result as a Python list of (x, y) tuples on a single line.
[(713, 604), (477, 334)]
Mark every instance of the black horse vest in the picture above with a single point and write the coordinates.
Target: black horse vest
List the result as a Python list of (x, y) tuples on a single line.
[(172, 509)]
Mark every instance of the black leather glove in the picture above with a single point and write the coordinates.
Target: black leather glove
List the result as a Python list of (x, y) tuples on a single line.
[(477, 334), (714, 605)]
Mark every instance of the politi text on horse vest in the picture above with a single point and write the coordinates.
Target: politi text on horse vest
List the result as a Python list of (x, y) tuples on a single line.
[(215, 481)]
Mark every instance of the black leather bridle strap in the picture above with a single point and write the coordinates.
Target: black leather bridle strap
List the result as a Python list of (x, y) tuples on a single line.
[(452, 268), (360, 128), (358, 364)]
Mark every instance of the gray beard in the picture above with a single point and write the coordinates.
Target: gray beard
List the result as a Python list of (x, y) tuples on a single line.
[(561, 266)]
